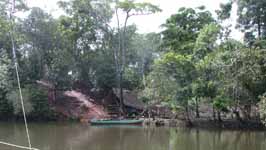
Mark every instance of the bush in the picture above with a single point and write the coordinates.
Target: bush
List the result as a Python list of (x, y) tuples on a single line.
[(14, 98), (35, 103), (132, 80), (6, 109), (41, 108), (262, 108), (221, 103)]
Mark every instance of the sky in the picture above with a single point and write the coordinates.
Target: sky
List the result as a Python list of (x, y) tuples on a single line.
[(151, 23)]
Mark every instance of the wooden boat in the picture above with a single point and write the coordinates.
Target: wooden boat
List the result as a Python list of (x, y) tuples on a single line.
[(116, 122)]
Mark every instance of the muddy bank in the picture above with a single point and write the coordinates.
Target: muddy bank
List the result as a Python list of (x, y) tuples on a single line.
[(207, 124), (229, 124)]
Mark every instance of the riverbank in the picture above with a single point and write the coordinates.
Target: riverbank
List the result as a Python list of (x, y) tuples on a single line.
[(229, 124), (159, 122), (208, 124)]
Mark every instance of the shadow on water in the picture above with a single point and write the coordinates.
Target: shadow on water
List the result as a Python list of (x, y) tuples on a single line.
[(195, 139), (67, 136)]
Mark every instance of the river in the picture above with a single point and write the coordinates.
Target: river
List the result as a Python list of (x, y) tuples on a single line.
[(73, 136)]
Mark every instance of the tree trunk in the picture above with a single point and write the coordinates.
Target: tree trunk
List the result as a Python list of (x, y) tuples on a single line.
[(188, 121), (259, 28), (236, 112), (213, 113), (119, 65), (123, 63), (121, 94), (247, 111), (219, 116), (197, 108)]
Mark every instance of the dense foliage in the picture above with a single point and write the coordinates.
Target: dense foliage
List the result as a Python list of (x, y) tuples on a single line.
[(191, 63)]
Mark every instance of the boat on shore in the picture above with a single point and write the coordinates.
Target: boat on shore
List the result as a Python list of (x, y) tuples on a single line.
[(116, 122)]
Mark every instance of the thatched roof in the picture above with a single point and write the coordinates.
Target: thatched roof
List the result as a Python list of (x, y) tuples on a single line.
[(130, 98)]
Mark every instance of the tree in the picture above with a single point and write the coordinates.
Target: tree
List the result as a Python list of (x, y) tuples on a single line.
[(4, 40), (146, 48), (251, 16), (6, 109), (190, 34), (240, 74), (206, 41), (5, 6), (225, 10), (7, 74), (182, 29), (130, 8), (42, 40), (4, 69), (220, 103), (247, 70), (182, 70), (160, 87), (204, 85), (85, 29), (262, 108)]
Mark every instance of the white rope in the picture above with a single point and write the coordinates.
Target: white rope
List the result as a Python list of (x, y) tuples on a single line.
[(18, 82), (22, 103), (18, 146)]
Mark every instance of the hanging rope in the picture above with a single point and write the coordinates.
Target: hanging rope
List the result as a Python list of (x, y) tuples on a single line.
[(12, 11)]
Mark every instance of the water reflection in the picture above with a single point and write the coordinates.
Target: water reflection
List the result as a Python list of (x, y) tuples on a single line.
[(217, 140), (83, 137)]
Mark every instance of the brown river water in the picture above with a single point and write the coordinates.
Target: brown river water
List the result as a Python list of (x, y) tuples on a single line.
[(73, 136)]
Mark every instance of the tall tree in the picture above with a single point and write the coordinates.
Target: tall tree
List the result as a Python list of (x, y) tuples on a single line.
[(129, 8), (252, 15), (182, 70), (41, 40), (182, 29), (189, 36), (85, 29)]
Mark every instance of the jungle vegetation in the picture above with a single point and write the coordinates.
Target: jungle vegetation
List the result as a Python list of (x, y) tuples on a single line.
[(192, 61)]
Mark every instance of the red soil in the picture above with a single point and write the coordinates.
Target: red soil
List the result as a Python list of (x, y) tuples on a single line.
[(85, 108), (74, 104)]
